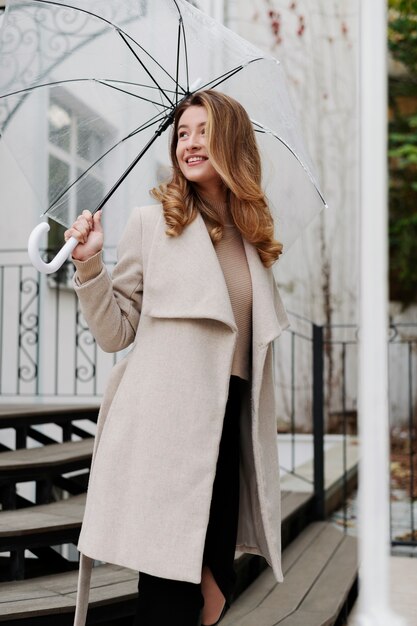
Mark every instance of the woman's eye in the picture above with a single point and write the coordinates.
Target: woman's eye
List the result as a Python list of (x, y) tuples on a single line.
[(182, 134)]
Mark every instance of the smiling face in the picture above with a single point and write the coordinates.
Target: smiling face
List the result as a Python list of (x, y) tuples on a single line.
[(192, 154)]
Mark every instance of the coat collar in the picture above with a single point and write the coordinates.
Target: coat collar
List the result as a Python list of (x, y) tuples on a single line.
[(184, 279), (265, 315)]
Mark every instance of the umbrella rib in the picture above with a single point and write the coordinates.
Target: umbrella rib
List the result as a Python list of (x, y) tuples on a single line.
[(106, 84), (144, 126), (76, 80), (178, 60), (181, 21), (267, 131), (150, 56), (128, 82), (144, 67), (103, 19), (49, 84), (186, 54), (229, 74)]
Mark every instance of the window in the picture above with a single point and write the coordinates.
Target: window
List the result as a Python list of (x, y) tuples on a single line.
[(80, 144)]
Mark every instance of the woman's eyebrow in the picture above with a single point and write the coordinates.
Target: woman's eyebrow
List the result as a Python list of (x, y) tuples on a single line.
[(185, 125)]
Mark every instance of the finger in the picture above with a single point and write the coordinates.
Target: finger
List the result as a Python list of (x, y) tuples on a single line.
[(83, 225), (97, 225), (73, 232), (81, 229), (88, 216), (83, 221)]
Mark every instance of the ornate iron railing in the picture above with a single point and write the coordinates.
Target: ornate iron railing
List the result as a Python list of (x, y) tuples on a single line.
[(46, 347)]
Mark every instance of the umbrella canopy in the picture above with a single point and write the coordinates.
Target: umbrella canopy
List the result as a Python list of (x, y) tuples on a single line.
[(86, 89)]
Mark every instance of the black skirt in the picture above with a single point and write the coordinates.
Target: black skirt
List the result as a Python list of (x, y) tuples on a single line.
[(220, 545), (161, 600)]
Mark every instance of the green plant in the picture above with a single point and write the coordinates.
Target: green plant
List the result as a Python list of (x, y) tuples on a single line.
[(402, 152)]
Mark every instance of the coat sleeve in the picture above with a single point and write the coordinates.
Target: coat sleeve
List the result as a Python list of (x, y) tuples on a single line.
[(112, 305)]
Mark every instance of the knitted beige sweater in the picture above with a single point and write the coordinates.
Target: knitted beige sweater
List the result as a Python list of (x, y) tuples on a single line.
[(232, 258)]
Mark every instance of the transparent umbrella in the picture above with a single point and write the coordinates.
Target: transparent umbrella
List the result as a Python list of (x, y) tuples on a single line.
[(99, 82)]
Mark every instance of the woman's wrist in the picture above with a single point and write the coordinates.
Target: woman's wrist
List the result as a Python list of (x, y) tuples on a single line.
[(83, 258), (90, 268)]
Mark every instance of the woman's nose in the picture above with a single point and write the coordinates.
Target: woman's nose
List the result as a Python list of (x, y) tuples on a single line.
[(192, 141)]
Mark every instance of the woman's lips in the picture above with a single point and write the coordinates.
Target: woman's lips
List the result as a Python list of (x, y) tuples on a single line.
[(197, 162)]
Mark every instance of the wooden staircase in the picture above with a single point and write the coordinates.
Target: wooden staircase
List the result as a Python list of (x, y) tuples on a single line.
[(57, 469), (42, 591)]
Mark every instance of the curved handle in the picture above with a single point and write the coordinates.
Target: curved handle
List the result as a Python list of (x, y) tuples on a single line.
[(34, 245)]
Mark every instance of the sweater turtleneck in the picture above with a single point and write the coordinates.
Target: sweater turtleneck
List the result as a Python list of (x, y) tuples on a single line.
[(221, 208), (231, 254)]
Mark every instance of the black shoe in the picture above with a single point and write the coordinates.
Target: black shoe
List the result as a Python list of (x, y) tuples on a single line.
[(222, 614)]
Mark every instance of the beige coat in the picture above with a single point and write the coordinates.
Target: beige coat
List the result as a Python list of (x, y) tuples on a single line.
[(161, 418)]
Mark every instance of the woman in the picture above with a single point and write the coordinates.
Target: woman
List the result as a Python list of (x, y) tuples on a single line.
[(185, 466)]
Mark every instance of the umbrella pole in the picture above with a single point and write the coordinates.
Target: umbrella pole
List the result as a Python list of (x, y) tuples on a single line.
[(374, 529), (162, 127)]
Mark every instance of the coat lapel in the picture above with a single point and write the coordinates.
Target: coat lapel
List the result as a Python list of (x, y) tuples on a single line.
[(265, 323), (184, 278)]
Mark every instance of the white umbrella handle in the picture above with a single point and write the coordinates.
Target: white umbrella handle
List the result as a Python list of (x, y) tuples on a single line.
[(34, 244)]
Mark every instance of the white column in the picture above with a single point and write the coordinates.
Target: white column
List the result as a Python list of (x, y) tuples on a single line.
[(374, 535)]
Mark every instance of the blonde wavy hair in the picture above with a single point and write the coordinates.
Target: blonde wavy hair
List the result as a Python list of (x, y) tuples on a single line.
[(237, 161)]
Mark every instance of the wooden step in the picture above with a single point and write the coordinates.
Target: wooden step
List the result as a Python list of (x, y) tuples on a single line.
[(45, 524), (51, 599), (292, 502), (12, 415), (23, 418), (320, 570), (30, 463), (296, 507)]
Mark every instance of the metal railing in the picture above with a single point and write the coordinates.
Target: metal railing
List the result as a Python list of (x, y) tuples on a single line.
[(47, 349), (327, 355)]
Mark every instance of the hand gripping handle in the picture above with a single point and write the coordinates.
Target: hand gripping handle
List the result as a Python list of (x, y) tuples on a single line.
[(35, 257)]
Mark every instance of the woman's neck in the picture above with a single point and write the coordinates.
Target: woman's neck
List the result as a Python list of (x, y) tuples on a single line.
[(213, 194), (221, 208)]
